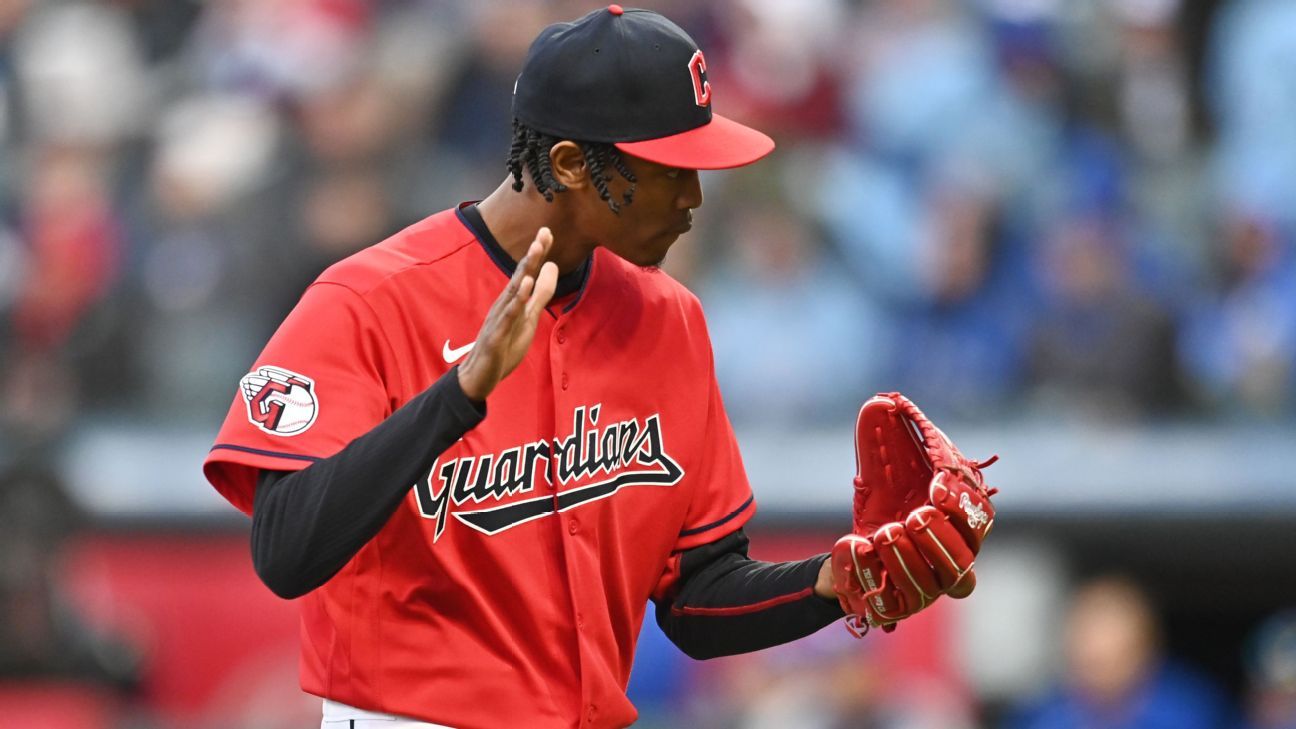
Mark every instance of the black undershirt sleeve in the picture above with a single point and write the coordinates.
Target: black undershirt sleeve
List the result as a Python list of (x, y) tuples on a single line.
[(307, 524), (727, 603)]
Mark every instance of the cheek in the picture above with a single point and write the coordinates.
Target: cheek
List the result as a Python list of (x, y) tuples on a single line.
[(619, 233), (652, 197)]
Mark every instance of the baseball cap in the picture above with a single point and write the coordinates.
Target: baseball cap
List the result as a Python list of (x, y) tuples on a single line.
[(633, 79)]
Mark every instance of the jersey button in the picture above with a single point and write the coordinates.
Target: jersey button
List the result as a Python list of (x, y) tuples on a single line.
[(564, 381), (573, 526), (580, 620), (562, 335)]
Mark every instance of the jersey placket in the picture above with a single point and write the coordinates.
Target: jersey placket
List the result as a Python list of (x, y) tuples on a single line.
[(579, 538)]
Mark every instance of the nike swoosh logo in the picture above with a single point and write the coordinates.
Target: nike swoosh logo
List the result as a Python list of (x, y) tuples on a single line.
[(453, 355)]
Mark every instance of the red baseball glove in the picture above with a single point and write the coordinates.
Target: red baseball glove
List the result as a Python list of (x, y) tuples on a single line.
[(921, 512)]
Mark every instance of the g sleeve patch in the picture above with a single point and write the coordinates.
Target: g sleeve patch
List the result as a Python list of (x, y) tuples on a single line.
[(279, 401)]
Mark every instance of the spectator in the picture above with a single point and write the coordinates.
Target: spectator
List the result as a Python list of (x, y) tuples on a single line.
[(782, 312), (904, 681), (1239, 339), (1117, 676), (1251, 84), (40, 635), (1102, 345), (1271, 674)]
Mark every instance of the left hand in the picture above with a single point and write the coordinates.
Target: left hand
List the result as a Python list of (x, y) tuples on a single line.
[(921, 511)]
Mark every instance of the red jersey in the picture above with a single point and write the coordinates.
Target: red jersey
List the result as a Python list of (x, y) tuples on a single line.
[(510, 585)]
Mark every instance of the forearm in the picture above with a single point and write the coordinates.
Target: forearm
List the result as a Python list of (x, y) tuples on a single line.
[(728, 603), (306, 525)]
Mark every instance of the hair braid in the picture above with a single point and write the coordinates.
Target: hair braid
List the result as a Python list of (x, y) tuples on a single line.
[(543, 143), (517, 149), (599, 174), (619, 163), (529, 149)]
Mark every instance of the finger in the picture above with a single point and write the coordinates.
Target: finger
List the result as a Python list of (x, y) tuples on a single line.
[(906, 566), (515, 309), (543, 291), (526, 266), (501, 302), (546, 284), (875, 594), (968, 508), (525, 287), (860, 582), (497, 331), (497, 309), (529, 263), (544, 237), (848, 583), (941, 545), (536, 253), (963, 587)]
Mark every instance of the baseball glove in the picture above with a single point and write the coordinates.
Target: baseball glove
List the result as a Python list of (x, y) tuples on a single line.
[(921, 511)]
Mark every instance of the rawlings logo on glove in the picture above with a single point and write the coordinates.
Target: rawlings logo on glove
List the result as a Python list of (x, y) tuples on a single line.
[(921, 511), (976, 515)]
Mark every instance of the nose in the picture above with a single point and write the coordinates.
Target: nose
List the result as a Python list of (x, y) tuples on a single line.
[(690, 195)]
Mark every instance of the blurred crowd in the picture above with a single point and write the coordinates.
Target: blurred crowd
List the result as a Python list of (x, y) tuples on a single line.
[(1109, 668), (996, 206)]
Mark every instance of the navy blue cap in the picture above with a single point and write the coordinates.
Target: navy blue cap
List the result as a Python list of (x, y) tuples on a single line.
[(634, 79)]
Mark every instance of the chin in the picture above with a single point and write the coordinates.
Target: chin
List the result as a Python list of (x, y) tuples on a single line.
[(647, 258), (647, 254), (655, 262), (658, 256)]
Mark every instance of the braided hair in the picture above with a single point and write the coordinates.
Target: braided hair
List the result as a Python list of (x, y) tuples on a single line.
[(530, 149)]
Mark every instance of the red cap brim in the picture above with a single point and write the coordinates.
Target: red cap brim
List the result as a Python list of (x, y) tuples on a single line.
[(722, 144)]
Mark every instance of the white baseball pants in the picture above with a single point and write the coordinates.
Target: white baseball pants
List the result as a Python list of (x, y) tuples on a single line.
[(341, 716)]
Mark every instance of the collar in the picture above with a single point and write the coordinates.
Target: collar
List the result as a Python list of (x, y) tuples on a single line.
[(572, 282)]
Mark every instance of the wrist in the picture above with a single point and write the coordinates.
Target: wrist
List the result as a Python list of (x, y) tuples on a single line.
[(470, 384), (823, 586)]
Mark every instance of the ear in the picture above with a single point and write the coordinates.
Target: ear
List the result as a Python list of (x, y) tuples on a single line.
[(568, 163)]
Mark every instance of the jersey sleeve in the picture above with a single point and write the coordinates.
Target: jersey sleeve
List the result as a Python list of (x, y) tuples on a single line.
[(722, 500), (324, 378)]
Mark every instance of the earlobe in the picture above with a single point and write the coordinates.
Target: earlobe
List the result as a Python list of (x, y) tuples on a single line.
[(567, 161)]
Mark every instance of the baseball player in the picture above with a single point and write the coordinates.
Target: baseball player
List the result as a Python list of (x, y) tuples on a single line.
[(477, 449)]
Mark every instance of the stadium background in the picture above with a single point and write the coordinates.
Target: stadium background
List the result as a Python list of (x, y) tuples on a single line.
[(1064, 227)]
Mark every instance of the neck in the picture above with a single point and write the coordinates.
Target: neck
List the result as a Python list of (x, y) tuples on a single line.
[(515, 217)]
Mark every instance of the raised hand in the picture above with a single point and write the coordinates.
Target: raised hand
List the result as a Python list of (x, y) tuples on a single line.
[(510, 324)]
